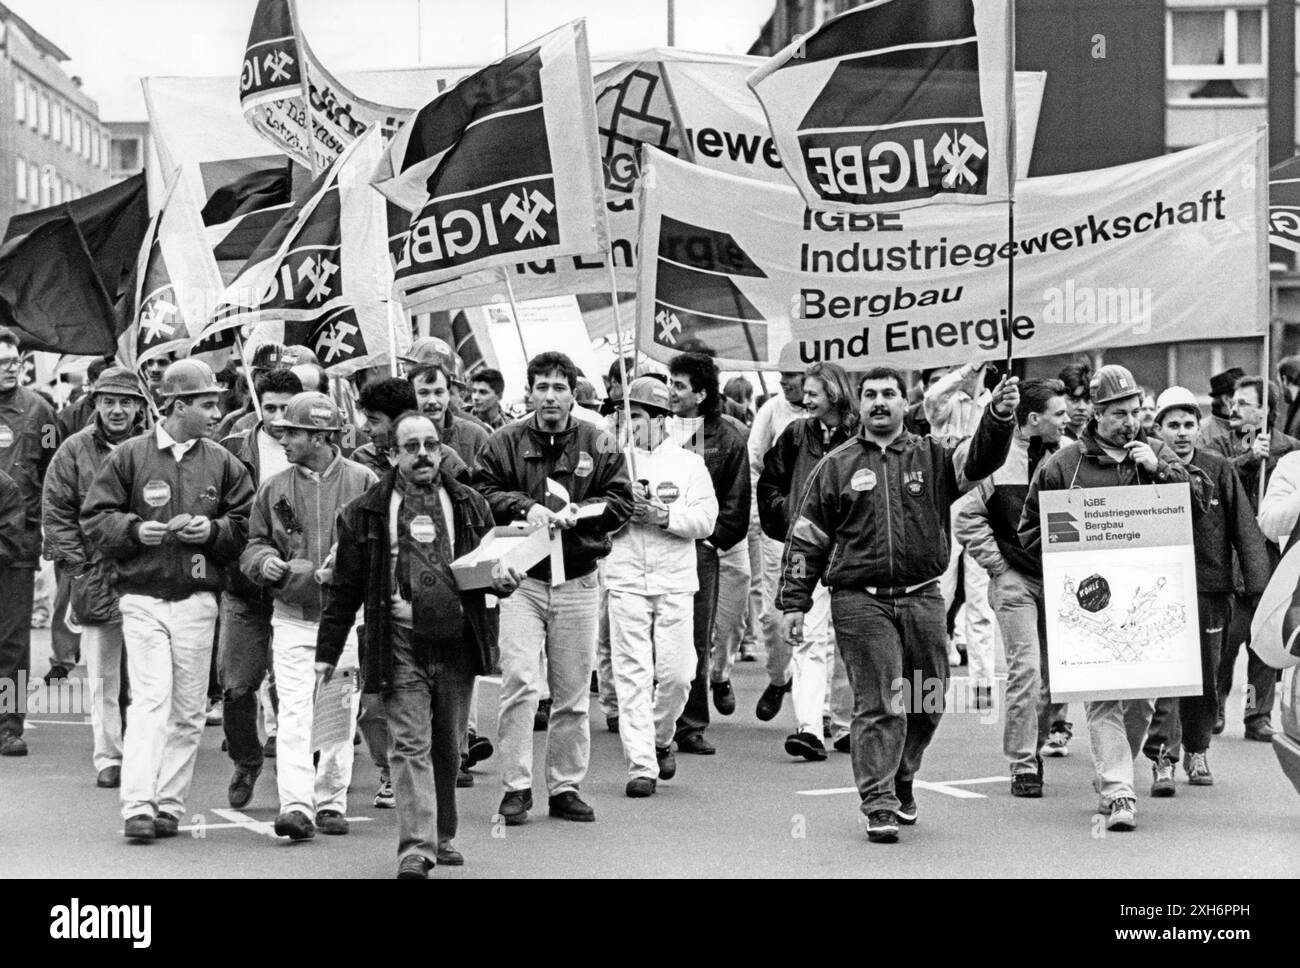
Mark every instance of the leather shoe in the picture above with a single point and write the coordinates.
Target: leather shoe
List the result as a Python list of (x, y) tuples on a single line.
[(569, 806), (806, 745), (515, 806), (844, 744), (166, 825), (413, 867), (295, 826), (464, 779), (697, 744), (667, 762), (769, 704), (110, 778), (240, 791), (478, 749), (1261, 733), (542, 718), (449, 856), (724, 697), (640, 786), (11, 744), (332, 823), (139, 827)]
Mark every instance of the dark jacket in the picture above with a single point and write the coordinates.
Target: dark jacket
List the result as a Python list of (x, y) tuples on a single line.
[(13, 521), (208, 481), (466, 437), (67, 482), (363, 577), (873, 517), (787, 467), (1226, 524), (1085, 464), (726, 457), (243, 444), (29, 436), (76, 415), (450, 466), (1234, 447), (512, 471)]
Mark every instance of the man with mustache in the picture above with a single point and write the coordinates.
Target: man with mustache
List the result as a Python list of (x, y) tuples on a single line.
[(424, 640), (119, 404), (170, 508), (432, 385), (867, 529), (1112, 451)]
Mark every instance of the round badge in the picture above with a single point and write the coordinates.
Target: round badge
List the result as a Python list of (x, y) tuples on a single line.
[(667, 492), (863, 480), (157, 493), (585, 465), (422, 529), (914, 488), (7, 437)]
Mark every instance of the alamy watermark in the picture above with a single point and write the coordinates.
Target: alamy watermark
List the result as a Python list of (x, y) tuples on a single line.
[(62, 697), (1073, 304)]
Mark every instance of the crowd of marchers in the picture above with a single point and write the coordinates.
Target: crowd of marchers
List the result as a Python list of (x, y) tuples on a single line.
[(244, 558)]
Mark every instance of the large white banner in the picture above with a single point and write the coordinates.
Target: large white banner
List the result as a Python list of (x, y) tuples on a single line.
[(896, 104), (1119, 593), (1161, 250)]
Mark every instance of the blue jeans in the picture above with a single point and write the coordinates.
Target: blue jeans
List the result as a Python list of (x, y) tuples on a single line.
[(895, 651)]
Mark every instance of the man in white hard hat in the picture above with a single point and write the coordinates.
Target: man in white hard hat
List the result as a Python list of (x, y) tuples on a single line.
[(651, 580), (291, 531), (1225, 526), (170, 508)]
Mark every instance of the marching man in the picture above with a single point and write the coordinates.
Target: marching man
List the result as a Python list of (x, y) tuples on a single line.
[(651, 581), (290, 535), (170, 507)]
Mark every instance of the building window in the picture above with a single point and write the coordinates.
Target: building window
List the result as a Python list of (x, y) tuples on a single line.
[(56, 190), (103, 149), (45, 115), (1216, 54), (125, 154), (76, 135), (94, 147), (20, 100), (32, 104), (56, 122), (33, 185), (45, 188), (20, 178), (85, 140), (67, 127)]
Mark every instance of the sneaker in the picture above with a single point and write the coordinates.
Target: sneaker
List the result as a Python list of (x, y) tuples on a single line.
[(906, 812), (1123, 814), (806, 745), (295, 825), (1028, 785), (515, 806), (542, 718), (640, 786), (1198, 769), (384, 799), (478, 749), (1058, 740), (331, 822), (215, 717), (769, 704), (139, 827), (667, 762), (724, 699), (1162, 779), (882, 827)]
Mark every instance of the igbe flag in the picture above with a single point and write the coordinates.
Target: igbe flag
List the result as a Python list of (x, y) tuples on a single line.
[(502, 168), (896, 103), (321, 276)]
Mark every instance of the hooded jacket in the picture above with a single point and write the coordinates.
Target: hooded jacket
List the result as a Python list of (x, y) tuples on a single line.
[(512, 470), (308, 503), (1085, 463), (141, 482), (363, 579)]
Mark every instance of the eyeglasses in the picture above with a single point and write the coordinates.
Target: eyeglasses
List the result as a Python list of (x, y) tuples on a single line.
[(11, 363), (413, 447)]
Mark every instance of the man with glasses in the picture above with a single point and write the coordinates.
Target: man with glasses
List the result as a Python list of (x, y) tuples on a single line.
[(28, 438)]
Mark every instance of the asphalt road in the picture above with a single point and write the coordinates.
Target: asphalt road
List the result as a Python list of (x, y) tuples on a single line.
[(749, 811)]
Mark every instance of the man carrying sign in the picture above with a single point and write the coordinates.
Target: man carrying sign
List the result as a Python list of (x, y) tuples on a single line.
[(1111, 451)]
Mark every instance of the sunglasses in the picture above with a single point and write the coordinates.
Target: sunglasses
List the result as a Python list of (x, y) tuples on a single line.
[(413, 447)]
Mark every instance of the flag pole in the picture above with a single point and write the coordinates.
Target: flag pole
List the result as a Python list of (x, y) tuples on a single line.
[(306, 88), (1268, 427), (514, 310), (1011, 180), (248, 377), (392, 335)]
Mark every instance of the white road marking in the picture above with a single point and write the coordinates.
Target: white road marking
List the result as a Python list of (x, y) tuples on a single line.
[(242, 820), (951, 788), (57, 722)]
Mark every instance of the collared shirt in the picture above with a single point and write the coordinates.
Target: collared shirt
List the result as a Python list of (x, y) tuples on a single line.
[(165, 442)]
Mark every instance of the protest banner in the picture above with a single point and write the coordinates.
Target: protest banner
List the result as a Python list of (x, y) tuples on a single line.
[(896, 104), (1162, 250), (1119, 593)]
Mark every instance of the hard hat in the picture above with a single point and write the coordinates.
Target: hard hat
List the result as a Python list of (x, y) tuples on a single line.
[(188, 378), (430, 349), (268, 356), (1112, 382), (1176, 398), (118, 380), (650, 393), (309, 411), (297, 354)]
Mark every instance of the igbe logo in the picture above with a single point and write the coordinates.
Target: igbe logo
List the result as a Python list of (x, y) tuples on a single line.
[(518, 217), (942, 159)]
